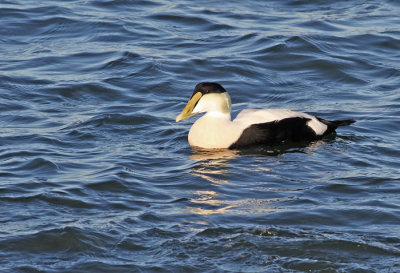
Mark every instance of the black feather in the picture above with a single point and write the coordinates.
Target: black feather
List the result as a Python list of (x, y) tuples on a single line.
[(333, 125), (284, 131), (276, 132), (208, 87)]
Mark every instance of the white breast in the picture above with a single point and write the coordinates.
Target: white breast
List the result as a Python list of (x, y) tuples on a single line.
[(213, 130)]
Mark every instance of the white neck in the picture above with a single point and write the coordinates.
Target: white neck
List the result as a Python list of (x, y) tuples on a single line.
[(217, 115)]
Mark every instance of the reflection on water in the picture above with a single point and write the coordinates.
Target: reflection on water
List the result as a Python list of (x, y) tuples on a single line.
[(206, 202), (264, 166), (299, 147), (213, 164), (213, 167), (215, 154)]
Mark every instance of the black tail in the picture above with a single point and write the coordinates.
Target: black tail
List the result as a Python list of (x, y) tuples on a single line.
[(332, 125)]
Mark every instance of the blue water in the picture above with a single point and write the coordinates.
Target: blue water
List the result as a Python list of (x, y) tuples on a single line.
[(96, 175)]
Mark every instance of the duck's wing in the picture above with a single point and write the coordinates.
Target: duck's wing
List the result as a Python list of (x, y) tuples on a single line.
[(292, 129), (275, 126), (249, 117)]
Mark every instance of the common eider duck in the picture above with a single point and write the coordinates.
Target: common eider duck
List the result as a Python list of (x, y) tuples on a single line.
[(215, 129)]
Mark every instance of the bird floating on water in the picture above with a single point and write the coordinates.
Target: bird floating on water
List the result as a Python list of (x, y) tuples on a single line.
[(215, 129)]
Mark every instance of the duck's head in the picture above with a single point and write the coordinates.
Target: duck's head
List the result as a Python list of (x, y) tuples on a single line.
[(206, 97)]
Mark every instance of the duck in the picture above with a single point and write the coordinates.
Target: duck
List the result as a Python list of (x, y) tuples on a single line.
[(251, 127)]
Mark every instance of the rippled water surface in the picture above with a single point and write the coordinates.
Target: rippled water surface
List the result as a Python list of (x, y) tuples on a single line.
[(96, 176)]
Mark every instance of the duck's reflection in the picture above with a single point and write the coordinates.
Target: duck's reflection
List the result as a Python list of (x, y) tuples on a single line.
[(203, 155), (220, 166), (213, 167), (206, 202), (213, 164)]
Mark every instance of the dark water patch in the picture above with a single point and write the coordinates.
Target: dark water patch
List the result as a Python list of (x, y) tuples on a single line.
[(16, 83), (125, 61), (18, 119), (84, 93), (122, 34), (102, 266), (133, 190), (320, 25), (112, 120), (109, 186), (39, 165), (52, 199), (121, 5), (25, 167), (179, 20), (42, 20), (47, 65), (68, 239)]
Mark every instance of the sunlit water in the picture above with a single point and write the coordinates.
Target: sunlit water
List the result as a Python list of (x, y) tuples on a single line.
[(96, 176)]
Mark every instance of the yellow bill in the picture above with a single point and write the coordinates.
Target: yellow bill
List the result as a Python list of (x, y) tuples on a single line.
[(187, 111)]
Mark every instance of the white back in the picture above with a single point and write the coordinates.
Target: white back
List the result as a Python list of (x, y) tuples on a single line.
[(248, 117)]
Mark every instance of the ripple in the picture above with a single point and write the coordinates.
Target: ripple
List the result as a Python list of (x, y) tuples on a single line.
[(109, 186), (37, 166), (323, 25), (68, 239)]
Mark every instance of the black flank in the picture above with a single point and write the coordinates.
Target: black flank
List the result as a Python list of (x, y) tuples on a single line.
[(276, 132)]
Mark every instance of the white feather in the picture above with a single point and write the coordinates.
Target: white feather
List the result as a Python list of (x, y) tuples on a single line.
[(214, 130), (248, 117)]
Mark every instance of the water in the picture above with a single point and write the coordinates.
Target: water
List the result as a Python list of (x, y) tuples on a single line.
[(96, 176)]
